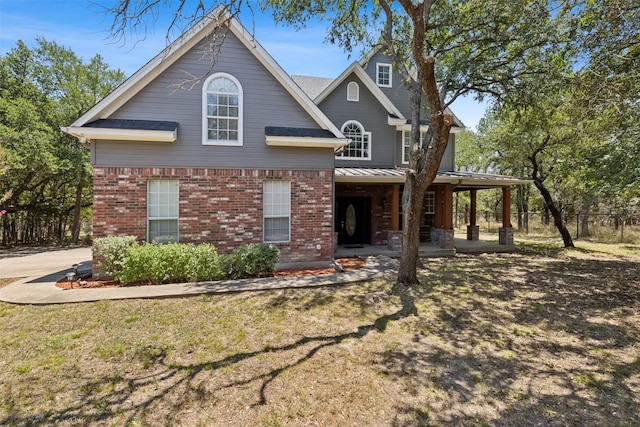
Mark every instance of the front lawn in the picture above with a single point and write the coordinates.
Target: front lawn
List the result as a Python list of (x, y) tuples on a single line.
[(541, 337)]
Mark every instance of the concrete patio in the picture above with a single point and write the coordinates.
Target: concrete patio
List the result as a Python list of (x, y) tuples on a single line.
[(461, 246)]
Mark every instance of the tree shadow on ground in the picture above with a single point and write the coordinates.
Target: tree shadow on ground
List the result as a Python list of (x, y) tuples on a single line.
[(174, 384), (500, 342)]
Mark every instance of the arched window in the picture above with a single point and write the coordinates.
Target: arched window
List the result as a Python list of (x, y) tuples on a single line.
[(353, 92), (222, 110), (360, 146)]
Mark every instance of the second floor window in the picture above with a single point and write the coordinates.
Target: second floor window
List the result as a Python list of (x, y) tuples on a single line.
[(360, 146), (222, 104), (406, 144), (383, 75)]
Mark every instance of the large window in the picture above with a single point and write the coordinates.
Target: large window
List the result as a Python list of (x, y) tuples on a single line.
[(383, 75), (360, 146), (277, 211), (162, 211), (406, 144), (222, 110)]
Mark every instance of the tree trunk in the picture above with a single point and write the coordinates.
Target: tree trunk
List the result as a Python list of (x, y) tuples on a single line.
[(538, 181), (584, 221), (77, 211), (412, 199)]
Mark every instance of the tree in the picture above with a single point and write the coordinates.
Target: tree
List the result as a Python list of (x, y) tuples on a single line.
[(47, 175), (445, 50)]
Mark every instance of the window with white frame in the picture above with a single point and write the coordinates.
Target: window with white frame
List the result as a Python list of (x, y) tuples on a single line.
[(429, 202), (360, 146), (406, 144), (353, 92), (222, 110), (383, 75), (162, 210), (277, 211)]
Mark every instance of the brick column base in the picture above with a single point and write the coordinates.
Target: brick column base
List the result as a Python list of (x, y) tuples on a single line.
[(473, 232), (394, 240), (442, 238), (505, 235)]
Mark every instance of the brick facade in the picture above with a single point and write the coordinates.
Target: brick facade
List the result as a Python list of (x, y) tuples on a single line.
[(223, 207)]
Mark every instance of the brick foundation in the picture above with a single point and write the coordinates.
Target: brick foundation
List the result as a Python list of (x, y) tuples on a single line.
[(442, 238), (473, 232), (505, 236), (219, 206), (394, 240)]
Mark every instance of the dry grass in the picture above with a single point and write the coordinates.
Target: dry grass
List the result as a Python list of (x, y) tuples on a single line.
[(542, 337)]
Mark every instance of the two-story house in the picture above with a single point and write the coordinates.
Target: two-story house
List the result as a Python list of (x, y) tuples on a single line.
[(244, 154)]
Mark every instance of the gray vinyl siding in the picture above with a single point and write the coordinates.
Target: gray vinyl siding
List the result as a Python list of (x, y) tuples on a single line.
[(448, 159), (265, 103), (397, 94), (371, 115)]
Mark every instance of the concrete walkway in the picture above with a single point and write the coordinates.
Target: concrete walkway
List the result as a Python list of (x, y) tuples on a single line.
[(38, 289)]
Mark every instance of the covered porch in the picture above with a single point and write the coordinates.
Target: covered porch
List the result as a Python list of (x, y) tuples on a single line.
[(369, 213)]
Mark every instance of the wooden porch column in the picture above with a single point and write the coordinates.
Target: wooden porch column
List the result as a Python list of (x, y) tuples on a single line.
[(506, 207), (395, 208), (447, 205), (473, 231), (472, 214), (505, 233)]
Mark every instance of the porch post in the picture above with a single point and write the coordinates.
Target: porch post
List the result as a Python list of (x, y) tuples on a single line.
[(445, 238), (505, 236), (395, 208), (394, 236), (473, 230)]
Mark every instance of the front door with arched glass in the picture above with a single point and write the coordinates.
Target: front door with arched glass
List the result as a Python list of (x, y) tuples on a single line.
[(353, 220)]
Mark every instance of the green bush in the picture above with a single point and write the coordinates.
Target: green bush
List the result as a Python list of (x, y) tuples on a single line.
[(251, 261), (174, 262), (110, 253), (126, 261)]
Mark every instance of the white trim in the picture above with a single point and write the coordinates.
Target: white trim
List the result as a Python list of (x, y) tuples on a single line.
[(378, 66), (306, 142), (265, 216), (404, 132), (176, 218), (205, 116), (179, 47), (365, 133), (353, 86), (285, 80), (88, 133), (359, 72)]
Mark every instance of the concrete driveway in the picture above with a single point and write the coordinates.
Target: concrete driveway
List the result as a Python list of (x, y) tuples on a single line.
[(27, 264)]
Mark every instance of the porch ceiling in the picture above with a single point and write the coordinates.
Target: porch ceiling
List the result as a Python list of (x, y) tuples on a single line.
[(460, 180)]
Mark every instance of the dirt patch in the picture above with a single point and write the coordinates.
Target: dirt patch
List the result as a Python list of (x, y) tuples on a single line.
[(348, 264)]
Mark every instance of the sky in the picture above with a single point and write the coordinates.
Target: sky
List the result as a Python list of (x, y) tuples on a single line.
[(83, 26)]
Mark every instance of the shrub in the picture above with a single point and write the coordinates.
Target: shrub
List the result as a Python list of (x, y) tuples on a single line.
[(251, 261), (175, 262), (110, 252), (206, 264)]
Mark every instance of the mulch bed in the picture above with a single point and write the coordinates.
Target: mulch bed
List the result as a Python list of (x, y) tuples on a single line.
[(348, 264)]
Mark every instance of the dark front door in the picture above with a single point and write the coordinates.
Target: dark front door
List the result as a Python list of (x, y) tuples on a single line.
[(353, 220)]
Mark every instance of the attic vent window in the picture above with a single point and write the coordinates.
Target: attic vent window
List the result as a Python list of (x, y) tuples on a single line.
[(222, 105), (353, 92), (383, 75)]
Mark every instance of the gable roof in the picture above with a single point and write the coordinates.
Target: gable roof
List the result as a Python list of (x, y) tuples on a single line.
[(312, 86), (364, 62), (169, 55), (356, 68)]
